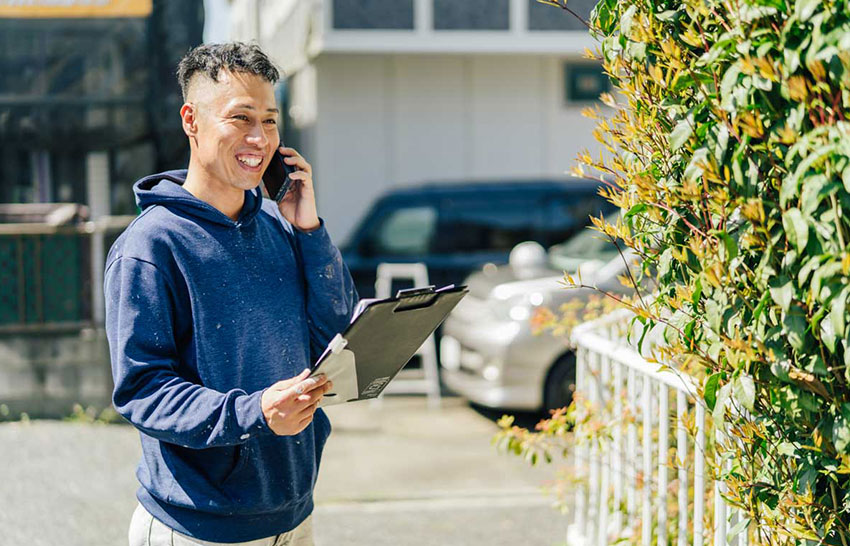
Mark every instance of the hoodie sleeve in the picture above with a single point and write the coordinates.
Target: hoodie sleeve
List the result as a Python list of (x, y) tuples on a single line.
[(148, 390), (331, 296)]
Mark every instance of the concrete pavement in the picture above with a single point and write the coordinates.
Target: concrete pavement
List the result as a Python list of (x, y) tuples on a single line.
[(397, 474)]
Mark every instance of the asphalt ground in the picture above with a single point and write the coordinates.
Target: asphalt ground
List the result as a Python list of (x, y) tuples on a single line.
[(396, 473)]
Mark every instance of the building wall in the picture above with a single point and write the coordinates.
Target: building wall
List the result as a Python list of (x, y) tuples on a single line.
[(395, 120), (46, 374)]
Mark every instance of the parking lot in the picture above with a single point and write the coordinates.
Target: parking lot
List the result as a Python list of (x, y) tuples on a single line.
[(397, 473)]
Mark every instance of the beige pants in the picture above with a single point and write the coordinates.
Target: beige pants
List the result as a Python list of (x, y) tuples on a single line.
[(145, 530)]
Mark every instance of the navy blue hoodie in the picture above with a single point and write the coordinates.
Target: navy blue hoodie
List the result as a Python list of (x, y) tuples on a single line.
[(202, 314)]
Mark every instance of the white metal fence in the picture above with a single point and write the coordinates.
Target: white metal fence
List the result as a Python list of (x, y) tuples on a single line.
[(629, 484)]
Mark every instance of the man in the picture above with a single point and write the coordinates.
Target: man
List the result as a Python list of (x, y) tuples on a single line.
[(217, 299)]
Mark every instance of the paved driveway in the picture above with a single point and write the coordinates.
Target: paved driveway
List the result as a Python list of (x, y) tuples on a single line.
[(398, 474)]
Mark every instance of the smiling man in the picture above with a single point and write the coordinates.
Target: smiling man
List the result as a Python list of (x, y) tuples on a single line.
[(217, 301)]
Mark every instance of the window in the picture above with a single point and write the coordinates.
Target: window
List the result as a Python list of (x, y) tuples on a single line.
[(16, 175), (546, 17), (373, 14), (584, 82), (68, 174), (471, 15), (568, 214), (405, 232), (486, 225)]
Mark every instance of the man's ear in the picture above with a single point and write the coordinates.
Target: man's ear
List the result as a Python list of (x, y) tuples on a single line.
[(189, 115)]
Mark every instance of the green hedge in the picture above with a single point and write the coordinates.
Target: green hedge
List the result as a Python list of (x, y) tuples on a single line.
[(730, 148)]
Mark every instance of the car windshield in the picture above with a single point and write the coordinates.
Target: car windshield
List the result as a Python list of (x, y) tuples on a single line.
[(588, 244)]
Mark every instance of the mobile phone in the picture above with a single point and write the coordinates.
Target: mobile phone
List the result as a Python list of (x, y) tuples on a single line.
[(276, 177)]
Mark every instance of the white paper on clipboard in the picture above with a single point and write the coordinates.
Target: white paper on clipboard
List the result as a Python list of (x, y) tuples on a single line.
[(339, 366)]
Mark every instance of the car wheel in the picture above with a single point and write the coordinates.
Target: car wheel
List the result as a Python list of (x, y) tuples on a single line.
[(560, 383)]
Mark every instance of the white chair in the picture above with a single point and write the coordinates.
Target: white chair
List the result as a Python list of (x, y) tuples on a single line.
[(426, 380)]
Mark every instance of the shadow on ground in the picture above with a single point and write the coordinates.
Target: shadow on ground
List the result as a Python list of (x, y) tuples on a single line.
[(525, 419)]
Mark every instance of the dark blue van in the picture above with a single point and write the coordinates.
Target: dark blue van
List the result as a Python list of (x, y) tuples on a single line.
[(455, 228)]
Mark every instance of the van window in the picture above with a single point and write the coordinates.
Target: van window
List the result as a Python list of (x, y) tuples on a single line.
[(485, 224), (568, 214), (405, 232)]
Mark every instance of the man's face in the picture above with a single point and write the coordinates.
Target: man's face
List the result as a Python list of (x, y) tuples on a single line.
[(236, 127)]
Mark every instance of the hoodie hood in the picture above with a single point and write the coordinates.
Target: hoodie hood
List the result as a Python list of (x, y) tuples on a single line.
[(166, 189)]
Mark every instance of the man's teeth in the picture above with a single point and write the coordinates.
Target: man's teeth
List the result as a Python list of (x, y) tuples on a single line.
[(251, 161)]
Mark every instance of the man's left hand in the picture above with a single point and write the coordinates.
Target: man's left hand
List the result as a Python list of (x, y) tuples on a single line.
[(298, 206)]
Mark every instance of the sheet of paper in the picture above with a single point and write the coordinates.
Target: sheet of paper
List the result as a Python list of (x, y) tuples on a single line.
[(342, 370)]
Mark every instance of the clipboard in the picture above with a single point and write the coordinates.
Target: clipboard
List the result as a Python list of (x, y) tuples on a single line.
[(382, 338)]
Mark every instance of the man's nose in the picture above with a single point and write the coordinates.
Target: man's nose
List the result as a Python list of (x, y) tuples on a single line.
[(257, 136)]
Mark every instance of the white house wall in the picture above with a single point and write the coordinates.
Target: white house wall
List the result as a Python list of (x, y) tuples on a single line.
[(398, 120)]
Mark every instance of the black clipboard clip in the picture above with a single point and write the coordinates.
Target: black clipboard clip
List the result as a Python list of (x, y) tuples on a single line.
[(415, 298)]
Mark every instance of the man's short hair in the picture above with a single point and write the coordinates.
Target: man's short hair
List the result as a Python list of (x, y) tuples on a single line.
[(209, 59)]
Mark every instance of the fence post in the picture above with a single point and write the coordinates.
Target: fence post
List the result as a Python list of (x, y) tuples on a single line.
[(663, 442), (681, 461), (97, 255), (580, 520), (646, 460), (720, 514), (699, 474)]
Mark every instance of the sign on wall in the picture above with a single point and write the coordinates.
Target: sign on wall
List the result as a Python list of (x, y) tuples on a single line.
[(41, 9)]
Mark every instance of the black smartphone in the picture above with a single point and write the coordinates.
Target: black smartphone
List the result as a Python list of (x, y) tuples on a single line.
[(276, 178)]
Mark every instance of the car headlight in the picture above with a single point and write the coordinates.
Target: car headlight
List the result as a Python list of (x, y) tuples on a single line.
[(517, 307)]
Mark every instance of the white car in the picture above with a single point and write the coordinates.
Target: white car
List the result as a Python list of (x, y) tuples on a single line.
[(488, 351)]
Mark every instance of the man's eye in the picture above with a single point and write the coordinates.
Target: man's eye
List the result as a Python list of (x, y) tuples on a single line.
[(241, 116), (271, 121)]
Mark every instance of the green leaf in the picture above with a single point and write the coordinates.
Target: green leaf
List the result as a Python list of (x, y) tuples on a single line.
[(736, 529), (710, 391), (728, 83), (637, 209), (760, 307), (823, 275), (719, 411), (813, 192), (664, 263), (827, 333), (745, 391), (780, 370), (681, 133), (604, 16), (837, 306), (788, 190), (841, 430), (697, 293), (796, 228), (786, 449), (689, 332), (782, 292), (808, 267), (749, 13), (694, 169), (722, 136), (804, 9), (667, 16), (627, 19), (795, 325), (729, 244)]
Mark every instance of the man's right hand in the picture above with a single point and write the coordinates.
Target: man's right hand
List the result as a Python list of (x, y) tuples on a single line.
[(289, 405)]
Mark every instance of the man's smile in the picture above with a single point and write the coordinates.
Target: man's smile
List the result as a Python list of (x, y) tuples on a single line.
[(251, 161)]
